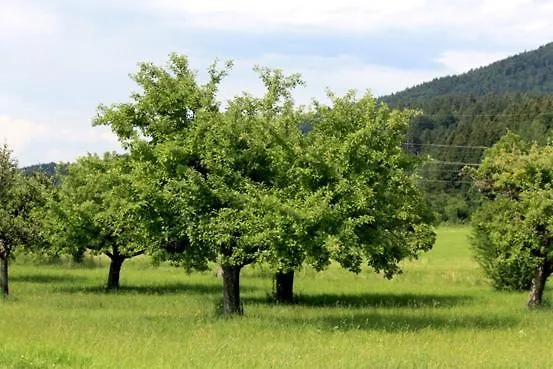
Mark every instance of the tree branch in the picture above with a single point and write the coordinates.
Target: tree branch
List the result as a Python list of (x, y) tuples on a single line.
[(138, 253)]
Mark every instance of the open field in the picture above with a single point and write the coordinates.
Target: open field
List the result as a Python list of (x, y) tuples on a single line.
[(439, 314)]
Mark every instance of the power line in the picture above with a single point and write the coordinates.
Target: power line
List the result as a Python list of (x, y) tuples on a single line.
[(443, 181), (442, 145), (431, 171), (453, 115), (439, 162)]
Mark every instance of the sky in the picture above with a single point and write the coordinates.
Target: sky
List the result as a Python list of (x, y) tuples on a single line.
[(59, 59)]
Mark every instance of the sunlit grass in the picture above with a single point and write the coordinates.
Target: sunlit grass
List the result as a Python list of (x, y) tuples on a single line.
[(439, 313)]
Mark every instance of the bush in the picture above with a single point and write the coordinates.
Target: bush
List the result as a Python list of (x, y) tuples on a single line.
[(511, 272)]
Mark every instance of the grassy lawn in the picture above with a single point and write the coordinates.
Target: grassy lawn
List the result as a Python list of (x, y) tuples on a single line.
[(439, 313)]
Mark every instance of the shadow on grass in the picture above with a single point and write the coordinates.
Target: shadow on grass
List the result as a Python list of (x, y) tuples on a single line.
[(162, 289), (403, 322), (46, 278), (387, 300)]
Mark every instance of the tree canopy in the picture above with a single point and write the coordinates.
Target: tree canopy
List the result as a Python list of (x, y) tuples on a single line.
[(516, 216), (97, 208), (19, 225)]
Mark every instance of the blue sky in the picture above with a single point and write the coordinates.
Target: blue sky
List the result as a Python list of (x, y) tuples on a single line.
[(59, 59)]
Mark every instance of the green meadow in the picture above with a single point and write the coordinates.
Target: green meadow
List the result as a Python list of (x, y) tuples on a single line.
[(440, 313)]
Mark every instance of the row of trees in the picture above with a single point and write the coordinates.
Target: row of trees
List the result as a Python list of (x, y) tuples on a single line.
[(258, 180), (262, 180)]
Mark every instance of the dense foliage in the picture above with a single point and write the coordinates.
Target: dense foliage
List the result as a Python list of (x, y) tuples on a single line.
[(516, 216), (246, 184), (47, 168), (19, 224), (97, 208), (465, 113)]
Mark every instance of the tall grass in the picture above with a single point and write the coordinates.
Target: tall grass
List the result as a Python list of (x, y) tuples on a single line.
[(440, 313)]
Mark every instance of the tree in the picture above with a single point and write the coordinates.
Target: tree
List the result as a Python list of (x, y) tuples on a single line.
[(516, 216), (353, 190), (98, 208), (213, 167), (372, 209), (19, 195)]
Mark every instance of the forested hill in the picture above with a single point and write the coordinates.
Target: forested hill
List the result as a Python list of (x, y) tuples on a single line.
[(528, 72), (47, 168)]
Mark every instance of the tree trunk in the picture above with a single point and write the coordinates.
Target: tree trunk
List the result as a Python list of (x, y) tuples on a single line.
[(538, 285), (114, 272), (231, 291), (4, 275), (284, 286)]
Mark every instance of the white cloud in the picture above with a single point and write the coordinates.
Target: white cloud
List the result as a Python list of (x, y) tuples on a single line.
[(19, 132), (65, 135), (251, 14), (6, 102), (503, 20), (25, 18)]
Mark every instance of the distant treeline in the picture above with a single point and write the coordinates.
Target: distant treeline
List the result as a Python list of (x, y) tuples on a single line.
[(47, 168), (50, 169)]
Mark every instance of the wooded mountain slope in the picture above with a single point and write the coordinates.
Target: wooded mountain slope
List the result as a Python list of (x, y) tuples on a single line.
[(47, 168), (527, 72)]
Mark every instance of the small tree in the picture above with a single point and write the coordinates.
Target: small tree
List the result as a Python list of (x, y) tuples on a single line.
[(98, 208), (19, 195), (506, 270), (516, 216)]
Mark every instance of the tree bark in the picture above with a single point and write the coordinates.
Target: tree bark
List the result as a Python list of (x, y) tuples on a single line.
[(538, 285), (114, 272), (231, 290), (284, 286), (4, 275)]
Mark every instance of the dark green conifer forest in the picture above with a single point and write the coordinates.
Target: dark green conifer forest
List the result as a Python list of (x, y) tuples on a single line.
[(463, 115)]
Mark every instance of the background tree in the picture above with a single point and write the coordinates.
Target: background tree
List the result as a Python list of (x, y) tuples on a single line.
[(464, 114), (97, 208), (19, 227), (516, 217)]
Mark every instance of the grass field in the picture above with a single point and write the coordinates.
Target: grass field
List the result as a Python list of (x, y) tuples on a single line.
[(439, 314)]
